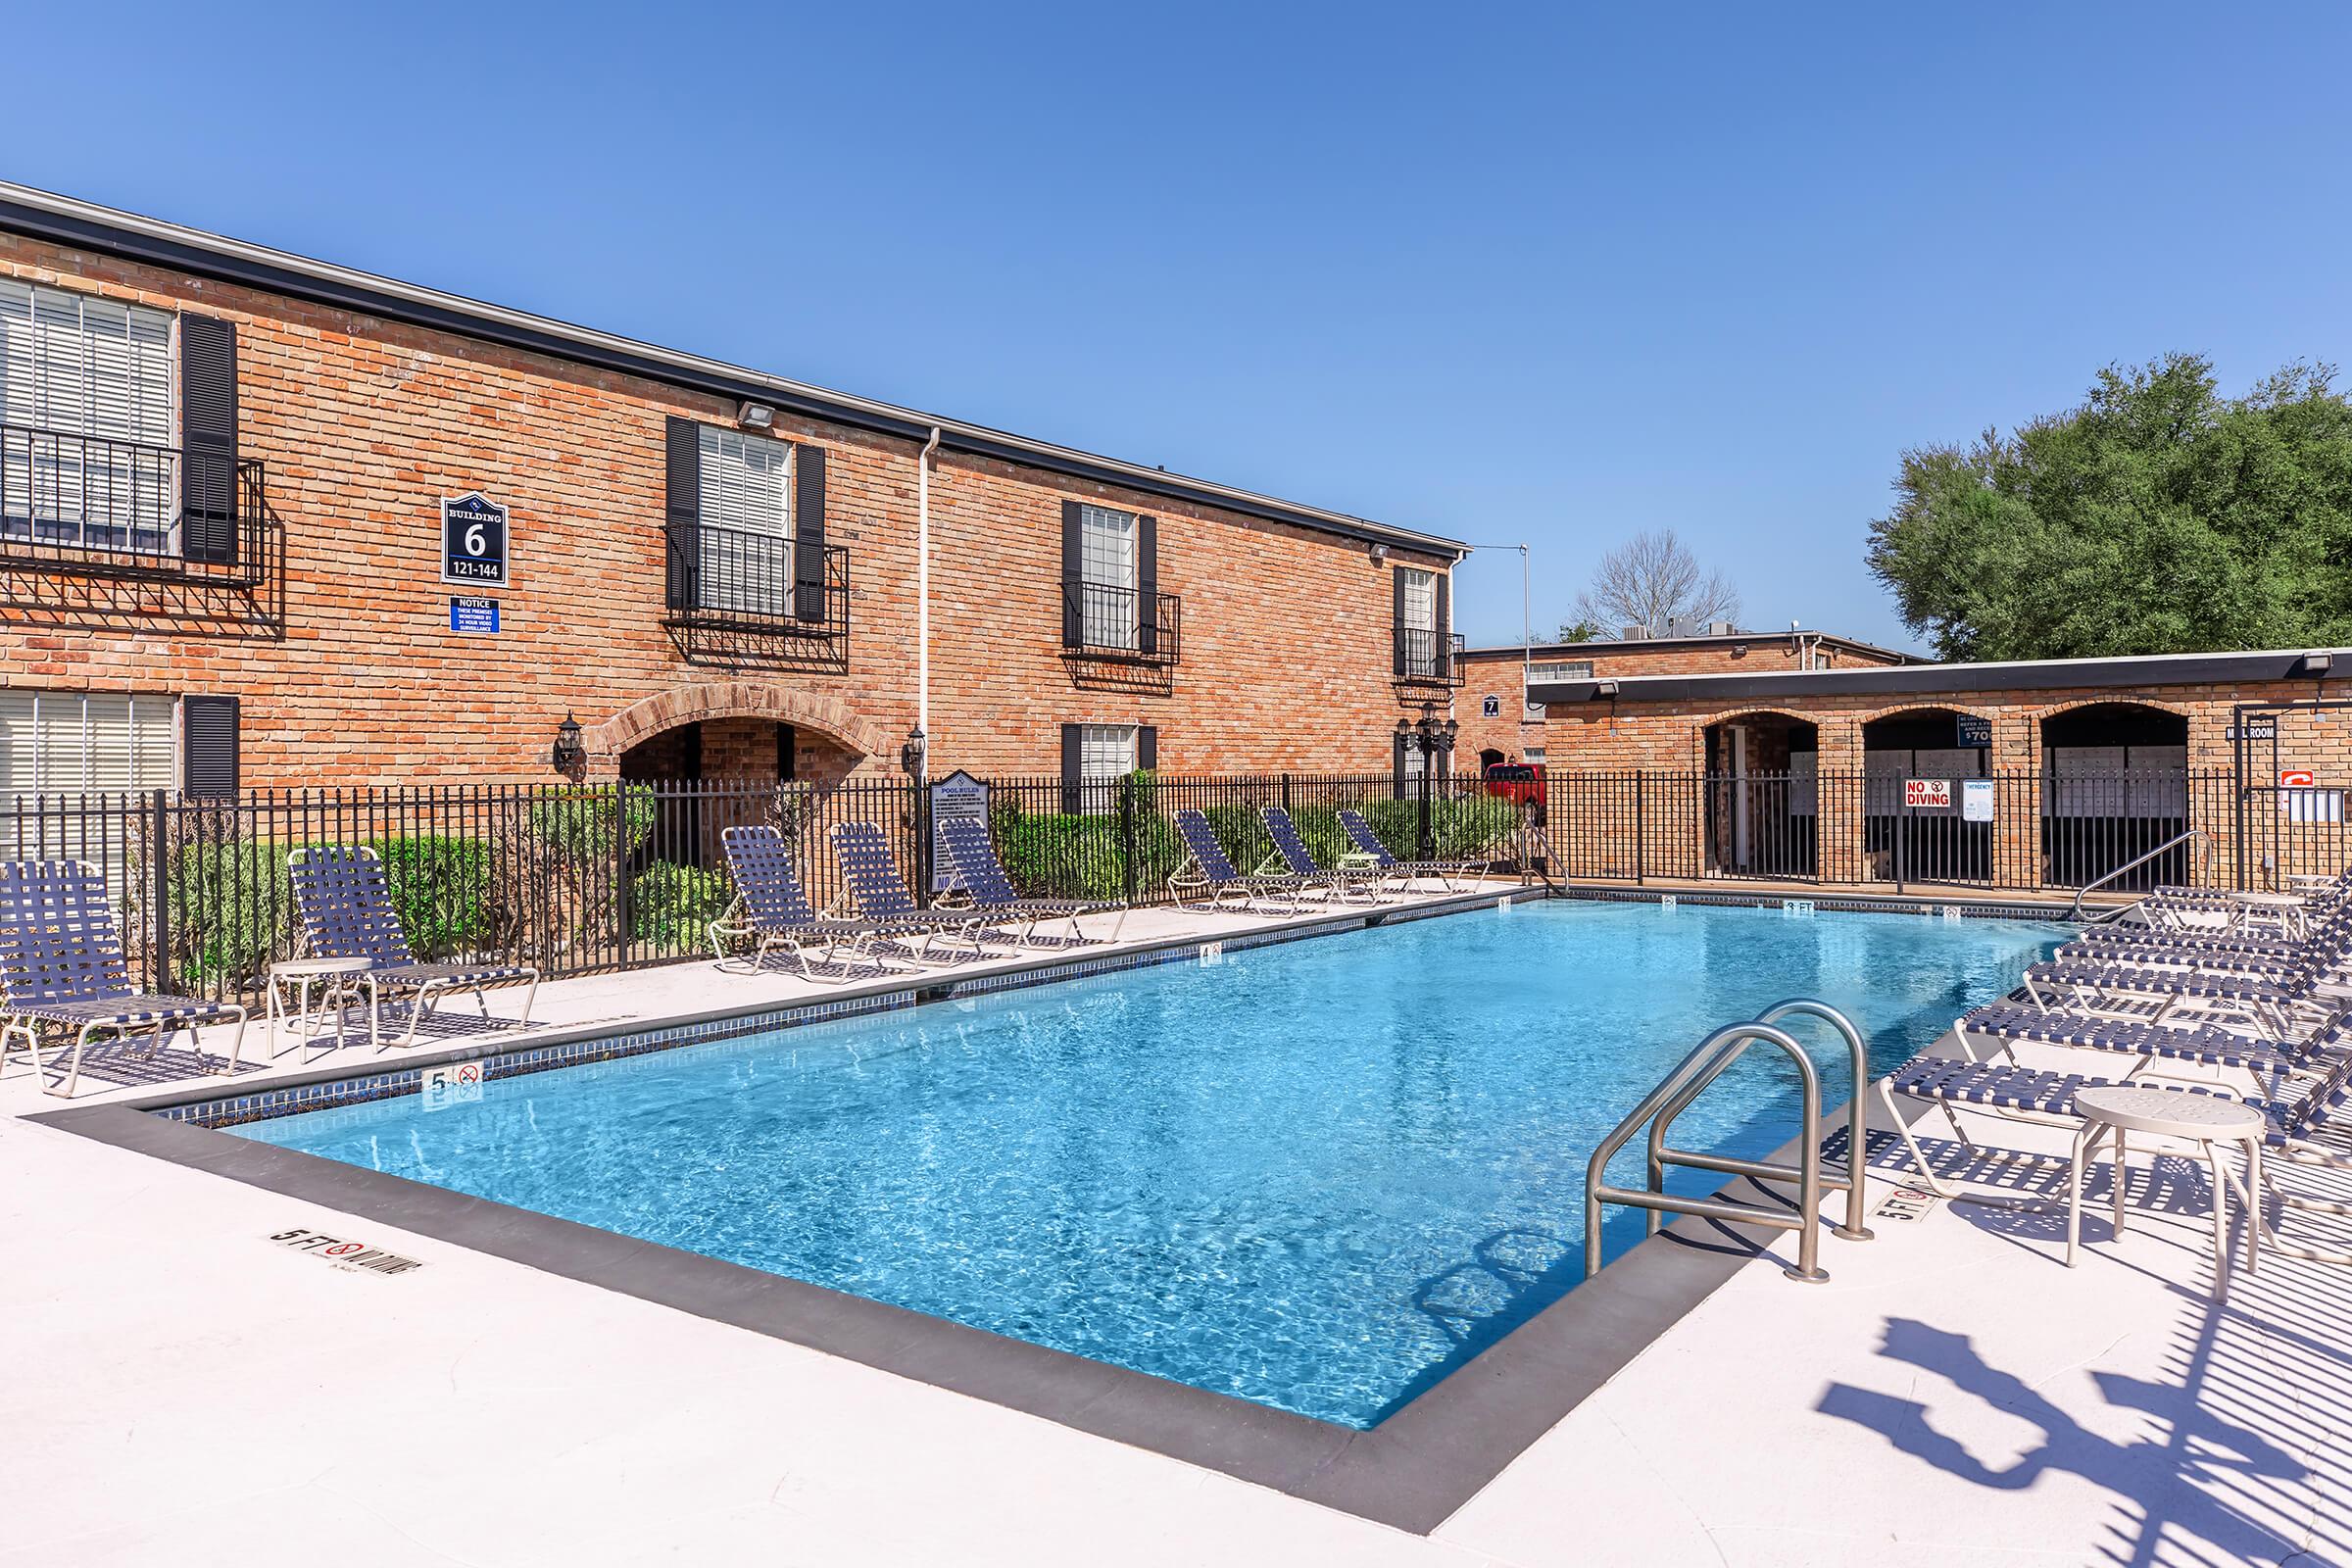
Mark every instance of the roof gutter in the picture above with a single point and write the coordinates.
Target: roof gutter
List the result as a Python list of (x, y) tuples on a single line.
[(2139, 674), (86, 226)]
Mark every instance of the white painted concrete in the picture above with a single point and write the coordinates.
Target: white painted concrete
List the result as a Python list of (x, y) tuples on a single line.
[(180, 1390)]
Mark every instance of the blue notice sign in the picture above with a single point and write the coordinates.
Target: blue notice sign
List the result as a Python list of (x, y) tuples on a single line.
[(1975, 732), (471, 614)]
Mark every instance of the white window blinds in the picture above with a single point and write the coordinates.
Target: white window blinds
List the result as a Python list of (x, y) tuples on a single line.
[(1107, 562), (1106, 752), (745, 532), (85, 390), (60, 743)]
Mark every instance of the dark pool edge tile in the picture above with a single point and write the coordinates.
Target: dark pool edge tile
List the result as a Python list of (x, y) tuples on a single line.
[(328, 1087), (1411, 1472)]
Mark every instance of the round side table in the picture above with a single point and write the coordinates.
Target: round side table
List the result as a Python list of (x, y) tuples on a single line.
[(2288, 909), (334, 990), (2112, 1111)]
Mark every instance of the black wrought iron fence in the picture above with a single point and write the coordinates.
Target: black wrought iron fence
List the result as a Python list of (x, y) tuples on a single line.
[(581, 879), (2016, 830)]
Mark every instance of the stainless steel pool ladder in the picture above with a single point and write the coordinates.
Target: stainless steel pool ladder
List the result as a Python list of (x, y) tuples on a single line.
[(1689, 1080)]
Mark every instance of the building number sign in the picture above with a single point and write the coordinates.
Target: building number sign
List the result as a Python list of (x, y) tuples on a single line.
[(474, 541)]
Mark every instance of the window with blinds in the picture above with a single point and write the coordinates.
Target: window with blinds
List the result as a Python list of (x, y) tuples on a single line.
[(66, 743), (1419, 590), (85, 421), (1108, 568), (745, 537), (1106, 752)]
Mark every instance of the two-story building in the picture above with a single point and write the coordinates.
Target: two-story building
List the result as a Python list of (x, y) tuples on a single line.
[(270, 521)]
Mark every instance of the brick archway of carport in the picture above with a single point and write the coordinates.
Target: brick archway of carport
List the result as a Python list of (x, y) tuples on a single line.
[(714, 699)]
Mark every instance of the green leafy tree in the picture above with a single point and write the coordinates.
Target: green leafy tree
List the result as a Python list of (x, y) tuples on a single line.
[(2157, 517)]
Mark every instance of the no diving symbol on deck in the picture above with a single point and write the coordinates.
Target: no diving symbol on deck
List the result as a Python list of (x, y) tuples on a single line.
[(457, 1083), (1904, 1203)]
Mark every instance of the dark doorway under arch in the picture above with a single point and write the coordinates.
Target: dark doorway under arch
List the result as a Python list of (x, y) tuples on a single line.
[(2114, 787), (1763, 796), (1925, 833)]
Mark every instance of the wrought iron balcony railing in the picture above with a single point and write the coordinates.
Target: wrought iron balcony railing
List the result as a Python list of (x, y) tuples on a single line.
[(1427, 657), (740, 579), (1102, 621), (87, 506)]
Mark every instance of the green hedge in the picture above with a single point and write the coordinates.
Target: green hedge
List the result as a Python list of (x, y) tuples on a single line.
[(1066, 855), (672, 905), (586, 824), (232, 906)]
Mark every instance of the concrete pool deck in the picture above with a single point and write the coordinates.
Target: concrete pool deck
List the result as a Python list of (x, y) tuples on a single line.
[(186, 1389)]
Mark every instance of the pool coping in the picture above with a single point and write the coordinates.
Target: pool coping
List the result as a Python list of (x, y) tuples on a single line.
[(1412, 1471)]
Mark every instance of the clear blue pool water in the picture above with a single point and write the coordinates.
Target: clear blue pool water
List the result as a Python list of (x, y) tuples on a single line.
[(1320, 1175)]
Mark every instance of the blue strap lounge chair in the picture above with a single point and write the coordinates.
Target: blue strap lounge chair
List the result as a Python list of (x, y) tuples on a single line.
[(2275, 1005), (2101, 942), (880, 892), (2204, 1045), (1402, 873), (1356, 880), (1206, 870), (771, 910), (2294, 1119), (62, 967), (347, 912), (978, 875)]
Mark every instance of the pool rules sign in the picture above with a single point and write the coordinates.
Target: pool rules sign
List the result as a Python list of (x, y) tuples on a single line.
[(474, 541)]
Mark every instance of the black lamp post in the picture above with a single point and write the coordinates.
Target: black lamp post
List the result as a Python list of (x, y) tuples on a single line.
[(1434, 738), (568, 752)]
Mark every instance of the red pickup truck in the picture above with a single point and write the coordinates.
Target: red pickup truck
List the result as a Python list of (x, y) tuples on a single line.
[(1522, 782)]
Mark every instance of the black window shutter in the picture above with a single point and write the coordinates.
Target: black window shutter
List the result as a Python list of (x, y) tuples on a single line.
[(1147, 745), (208, 439), (1073, 576), (1396, 761), (1146, 586), (684, 509), (208, 740), (1072, 744), (1444, 651), (1397, 621), (809, 532)]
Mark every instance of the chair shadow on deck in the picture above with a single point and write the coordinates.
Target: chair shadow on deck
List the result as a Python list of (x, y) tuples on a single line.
[(2239, 1453), (2185, 1480)]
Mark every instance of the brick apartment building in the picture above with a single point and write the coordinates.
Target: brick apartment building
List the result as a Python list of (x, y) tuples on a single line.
[(268, 522), (1502, 724)]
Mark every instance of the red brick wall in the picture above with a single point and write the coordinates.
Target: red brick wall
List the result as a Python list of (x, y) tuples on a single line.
[(1670, 736), (365, 424)]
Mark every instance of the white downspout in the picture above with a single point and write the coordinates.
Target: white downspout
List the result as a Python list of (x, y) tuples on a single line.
[(923, 584)]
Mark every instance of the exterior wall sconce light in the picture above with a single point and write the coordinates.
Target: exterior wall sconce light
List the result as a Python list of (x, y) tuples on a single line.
[(568, 753), (755, 416), (914, 755), (1379, 552)]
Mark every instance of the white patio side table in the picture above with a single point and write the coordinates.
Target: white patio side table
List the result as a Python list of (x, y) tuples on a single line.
[(2112, 1111), (335, 990)]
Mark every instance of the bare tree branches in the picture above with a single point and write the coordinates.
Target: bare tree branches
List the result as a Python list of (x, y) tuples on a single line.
[(1653, 581)]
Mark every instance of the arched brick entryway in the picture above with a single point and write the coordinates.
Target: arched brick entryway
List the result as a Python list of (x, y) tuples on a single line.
[(717, 702)]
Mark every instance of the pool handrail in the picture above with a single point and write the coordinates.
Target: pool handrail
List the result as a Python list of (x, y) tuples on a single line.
[(1858, 1067), (1690, 1079)]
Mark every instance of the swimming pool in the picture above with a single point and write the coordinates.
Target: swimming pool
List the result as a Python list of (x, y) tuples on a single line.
[(1318, 1175)]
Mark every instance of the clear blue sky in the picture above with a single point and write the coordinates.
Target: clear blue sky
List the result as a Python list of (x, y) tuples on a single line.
[(1555, 276)]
